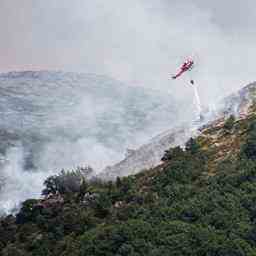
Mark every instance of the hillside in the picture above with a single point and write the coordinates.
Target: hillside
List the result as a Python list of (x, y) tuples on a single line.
[(199, 201), (40, 110), (150, 154), (53, 120)]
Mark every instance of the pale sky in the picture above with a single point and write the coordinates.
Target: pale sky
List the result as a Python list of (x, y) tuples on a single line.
[(137, 41)]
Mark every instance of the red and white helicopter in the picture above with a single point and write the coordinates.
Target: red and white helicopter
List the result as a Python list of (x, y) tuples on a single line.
[(186, 66)]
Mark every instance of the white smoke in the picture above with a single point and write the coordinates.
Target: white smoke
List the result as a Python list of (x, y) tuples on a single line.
[(141, 42), (69, 154), (18, 184), (197, 101), (64, 120)]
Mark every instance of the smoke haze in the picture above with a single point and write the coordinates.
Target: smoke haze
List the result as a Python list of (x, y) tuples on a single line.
[(55, 120), (138, 42)]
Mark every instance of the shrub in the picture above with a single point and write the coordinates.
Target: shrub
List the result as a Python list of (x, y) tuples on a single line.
[(229, 124), (173, 153), (248, 149), (27, 211), (66, 181), (192, 146)]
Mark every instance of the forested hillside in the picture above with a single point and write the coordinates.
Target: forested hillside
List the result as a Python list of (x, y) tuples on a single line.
[(200, 201)]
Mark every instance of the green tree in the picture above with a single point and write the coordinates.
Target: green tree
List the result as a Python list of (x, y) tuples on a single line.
[(229, 123)]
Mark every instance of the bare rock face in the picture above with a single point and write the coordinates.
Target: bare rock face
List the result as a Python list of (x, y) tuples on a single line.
[(150, 154), (239, 103)]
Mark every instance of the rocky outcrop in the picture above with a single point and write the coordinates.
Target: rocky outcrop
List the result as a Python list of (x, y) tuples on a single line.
[(150, 154)]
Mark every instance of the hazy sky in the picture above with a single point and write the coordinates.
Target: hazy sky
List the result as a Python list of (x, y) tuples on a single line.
[(138, 41)]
